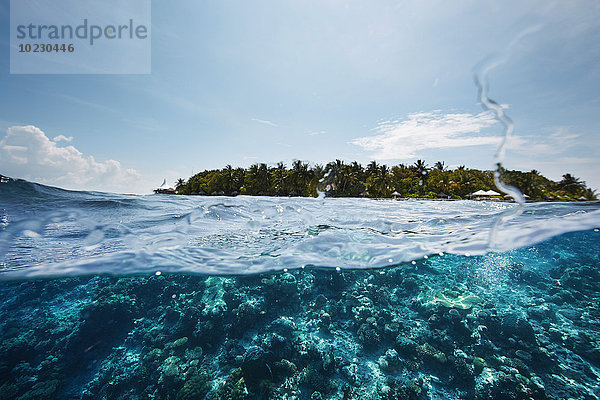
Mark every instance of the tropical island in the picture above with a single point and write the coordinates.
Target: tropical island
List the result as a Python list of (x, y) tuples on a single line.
[(340, 179)]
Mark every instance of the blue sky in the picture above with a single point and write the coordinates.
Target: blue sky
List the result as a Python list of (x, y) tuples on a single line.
[(239, 82)]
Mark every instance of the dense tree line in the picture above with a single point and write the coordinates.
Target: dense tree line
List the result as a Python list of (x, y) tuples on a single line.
[(340, 179)]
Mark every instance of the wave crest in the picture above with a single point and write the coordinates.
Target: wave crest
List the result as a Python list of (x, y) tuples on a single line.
[(47, 231)]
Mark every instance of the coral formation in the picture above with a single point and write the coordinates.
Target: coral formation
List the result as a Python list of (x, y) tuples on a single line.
[(434, 330)]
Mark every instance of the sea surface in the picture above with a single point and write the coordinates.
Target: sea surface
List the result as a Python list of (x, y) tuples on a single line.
[(108, 296)]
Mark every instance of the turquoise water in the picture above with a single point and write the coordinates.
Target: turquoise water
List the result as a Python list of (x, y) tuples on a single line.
[(52, 232), (164, 297)]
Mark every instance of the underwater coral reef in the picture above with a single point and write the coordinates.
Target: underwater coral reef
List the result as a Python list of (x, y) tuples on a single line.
[(517, 325)]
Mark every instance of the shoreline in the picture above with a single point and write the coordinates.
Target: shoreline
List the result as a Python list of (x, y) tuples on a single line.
[(382, 198)]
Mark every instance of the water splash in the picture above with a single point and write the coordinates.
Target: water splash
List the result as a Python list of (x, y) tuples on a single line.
[(481, 72)]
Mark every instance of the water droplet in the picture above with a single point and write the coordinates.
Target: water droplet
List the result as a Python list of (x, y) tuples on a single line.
[(95, 237), (31, 234)]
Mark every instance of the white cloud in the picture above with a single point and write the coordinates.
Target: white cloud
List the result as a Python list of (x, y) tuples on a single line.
[(544, 145), (62, 137), (26, 152), (405, 139), (264, 121), (402, 139)]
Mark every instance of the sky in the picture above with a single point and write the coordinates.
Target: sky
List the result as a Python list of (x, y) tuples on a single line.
[(238, 82)]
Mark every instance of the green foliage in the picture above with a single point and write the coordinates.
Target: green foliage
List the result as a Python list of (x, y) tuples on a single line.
[(339, 179)]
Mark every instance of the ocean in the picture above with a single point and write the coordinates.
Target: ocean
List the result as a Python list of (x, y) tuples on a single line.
[(108, 296)]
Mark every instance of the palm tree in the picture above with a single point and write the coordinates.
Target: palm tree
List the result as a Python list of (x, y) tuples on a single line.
[(381, 181), (228, 178), (239, 176), (372, 168), (301, 175), (179, 184), (590, 194), (356, 176), (262, 179), (251, 179), (334, 171), (296, 180), (305, 177), (357, 170), (340, 179), (279, 179), (421, 167), (571, 184), (316, 184), (318, 171)]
